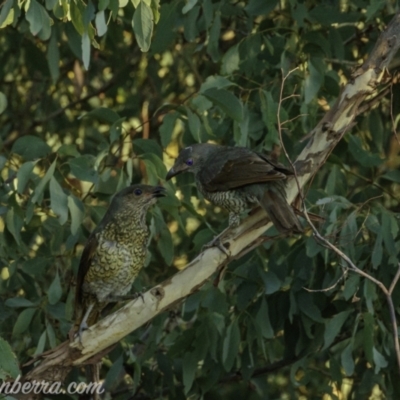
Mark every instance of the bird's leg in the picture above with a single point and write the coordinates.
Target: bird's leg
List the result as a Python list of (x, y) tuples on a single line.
[(83, 325), (234, 221), (132, 296)]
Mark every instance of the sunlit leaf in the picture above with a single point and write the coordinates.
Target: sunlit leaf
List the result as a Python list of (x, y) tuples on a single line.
[(3, 102), (5, 11), (142, 23), (86, 50), (101, 25)]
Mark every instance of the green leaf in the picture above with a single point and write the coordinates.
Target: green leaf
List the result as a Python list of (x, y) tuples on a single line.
[(100, 22), (31, 147), (58, 201), (147, 146), (230, 61), (194, 124), (271, 281), (228, 102), (14, 225), (5, 11), (103, 114), (231, 345), (263, 320), (55, 290), (42, 184), (241, 129), (379, 360), (114, 372), (347, 360), (53, 58), (88, 15), (3, 102), (269, 112), (214, 35), (41, 344), (377, 252), (368, 336), (373, 9), (389, 233), (8, 360), (17, 302), (351, 286), (83, 168), (23, 321), (142, 23), (190, 29), (333, 327), (77, 212), (201, 104), (23, 175), (362, 156), (312, 83), (76, 11), (166, 246), (39, 20), (116, 130), (393, 176), (260, 7), (86, 50), (188, 6), (307, 306), (103, 4), (189, 367), (215, 82), (167, 128)]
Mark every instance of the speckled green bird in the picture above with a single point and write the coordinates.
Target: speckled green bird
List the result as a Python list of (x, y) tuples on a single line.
[(114, 253), (237, 179)]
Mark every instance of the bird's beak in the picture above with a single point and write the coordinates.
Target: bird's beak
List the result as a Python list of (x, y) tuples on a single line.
[(173, 172), (159, 191)]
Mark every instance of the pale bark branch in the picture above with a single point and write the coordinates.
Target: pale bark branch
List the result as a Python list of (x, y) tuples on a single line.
[(323, 139)]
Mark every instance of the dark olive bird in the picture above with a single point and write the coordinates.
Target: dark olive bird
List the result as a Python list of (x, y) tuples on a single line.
[(114, 253), (236, 178)]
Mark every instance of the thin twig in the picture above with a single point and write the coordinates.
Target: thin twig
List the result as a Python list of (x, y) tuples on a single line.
[(324, 242), (391, 113), (330, 287)]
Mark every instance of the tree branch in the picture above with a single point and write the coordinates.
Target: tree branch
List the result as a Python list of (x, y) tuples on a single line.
[(323, 139)]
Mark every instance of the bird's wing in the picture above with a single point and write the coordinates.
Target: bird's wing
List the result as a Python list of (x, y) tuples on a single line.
[(236, 167), (86, 260)]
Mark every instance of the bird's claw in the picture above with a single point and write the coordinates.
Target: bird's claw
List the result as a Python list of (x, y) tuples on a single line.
[(216, 242), (137, 295), (82, 327)]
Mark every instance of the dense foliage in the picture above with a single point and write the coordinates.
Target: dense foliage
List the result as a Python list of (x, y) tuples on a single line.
[(86, 109)]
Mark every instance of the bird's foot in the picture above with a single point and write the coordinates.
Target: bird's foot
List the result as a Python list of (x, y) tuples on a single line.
[(216, 242), (132, 296), (82, 327)]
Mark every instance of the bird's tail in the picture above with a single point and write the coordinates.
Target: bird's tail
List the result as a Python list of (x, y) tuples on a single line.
[(280, 212)]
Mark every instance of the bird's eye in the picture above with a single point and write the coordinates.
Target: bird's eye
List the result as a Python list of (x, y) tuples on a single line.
[(189, 162), (138, 192)]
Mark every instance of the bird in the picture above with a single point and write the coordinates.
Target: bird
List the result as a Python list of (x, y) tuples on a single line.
[(114, 254), (236, 179)]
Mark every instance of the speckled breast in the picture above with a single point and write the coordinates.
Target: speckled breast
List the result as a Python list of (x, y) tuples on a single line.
[(232, 200), (115, 266)]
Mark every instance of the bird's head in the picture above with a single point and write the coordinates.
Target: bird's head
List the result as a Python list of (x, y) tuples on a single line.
[(191, 159), (138, 197)]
